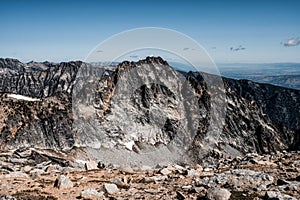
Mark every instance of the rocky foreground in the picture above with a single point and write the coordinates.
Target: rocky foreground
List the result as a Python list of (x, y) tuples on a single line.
[(37, 174)]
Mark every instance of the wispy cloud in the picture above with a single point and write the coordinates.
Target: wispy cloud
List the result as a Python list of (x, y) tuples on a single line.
[(239, 48), (292, 42), (188, 49)]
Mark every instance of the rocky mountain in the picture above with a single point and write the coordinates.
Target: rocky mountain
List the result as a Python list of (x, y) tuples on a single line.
[(38, 80), (142, 112)]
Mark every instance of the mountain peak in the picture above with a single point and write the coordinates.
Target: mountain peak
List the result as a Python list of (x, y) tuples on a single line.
[(130, 110), (147, 60)]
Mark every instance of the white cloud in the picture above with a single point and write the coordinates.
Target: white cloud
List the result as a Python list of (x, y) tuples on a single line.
[(292, 42)]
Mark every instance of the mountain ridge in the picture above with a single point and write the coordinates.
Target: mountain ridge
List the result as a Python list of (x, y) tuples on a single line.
[(254, 122)]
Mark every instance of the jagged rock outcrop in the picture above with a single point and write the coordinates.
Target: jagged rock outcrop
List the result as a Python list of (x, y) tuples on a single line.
[(143, 109), (247, 128), (281, 105), (37, 79)]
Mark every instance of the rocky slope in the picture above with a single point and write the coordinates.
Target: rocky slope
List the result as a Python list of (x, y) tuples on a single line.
[(40, 174), (280, 104), (138, 110)]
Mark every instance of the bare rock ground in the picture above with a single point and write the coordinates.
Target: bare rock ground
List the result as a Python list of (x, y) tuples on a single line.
[(29, 174)]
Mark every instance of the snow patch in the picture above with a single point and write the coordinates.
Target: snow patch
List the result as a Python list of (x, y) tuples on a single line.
[(80, 161), (21, 97), (128, 145)]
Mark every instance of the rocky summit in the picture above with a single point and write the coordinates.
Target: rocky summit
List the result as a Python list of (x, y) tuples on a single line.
[(144, 130)]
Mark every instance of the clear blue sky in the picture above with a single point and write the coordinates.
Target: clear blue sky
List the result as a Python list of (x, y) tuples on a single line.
[(68, 30)]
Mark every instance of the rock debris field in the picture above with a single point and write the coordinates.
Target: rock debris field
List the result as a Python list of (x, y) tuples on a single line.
[(32, 174)]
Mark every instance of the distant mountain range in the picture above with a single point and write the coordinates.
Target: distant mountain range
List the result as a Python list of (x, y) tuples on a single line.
[(281, 74)]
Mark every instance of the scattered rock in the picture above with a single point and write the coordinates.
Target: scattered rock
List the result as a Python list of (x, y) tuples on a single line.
[(152, 191), (179, 168), (274, 195), (238, 177), (101, 165), (63, 182), (36, 172), (27, 169), (180, 196), (266, 163), (207, 174), (90, 165), (218, 194), (8, 168), (199, 168), (14, 175), (187, 187), (153, 179), (119, 182), (127, 170), (53, 168), (91, 194), (290, 186), (165, 171), (7, 197), (145, 168), (18, 160), (43, 164), (110, 188), (282, 182), (197, 189), (193, 172), (207, 169), (244, 179)]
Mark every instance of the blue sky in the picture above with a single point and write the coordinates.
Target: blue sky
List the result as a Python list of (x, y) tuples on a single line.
[(68, 30)]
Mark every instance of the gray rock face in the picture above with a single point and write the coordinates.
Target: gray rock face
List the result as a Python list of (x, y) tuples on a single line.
[(252, 123), (44, 124), (279, 104), (142, 111)]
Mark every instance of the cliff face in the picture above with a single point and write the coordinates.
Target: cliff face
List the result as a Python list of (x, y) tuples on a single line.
[(281, 105), (142, 109), (46, 121)]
